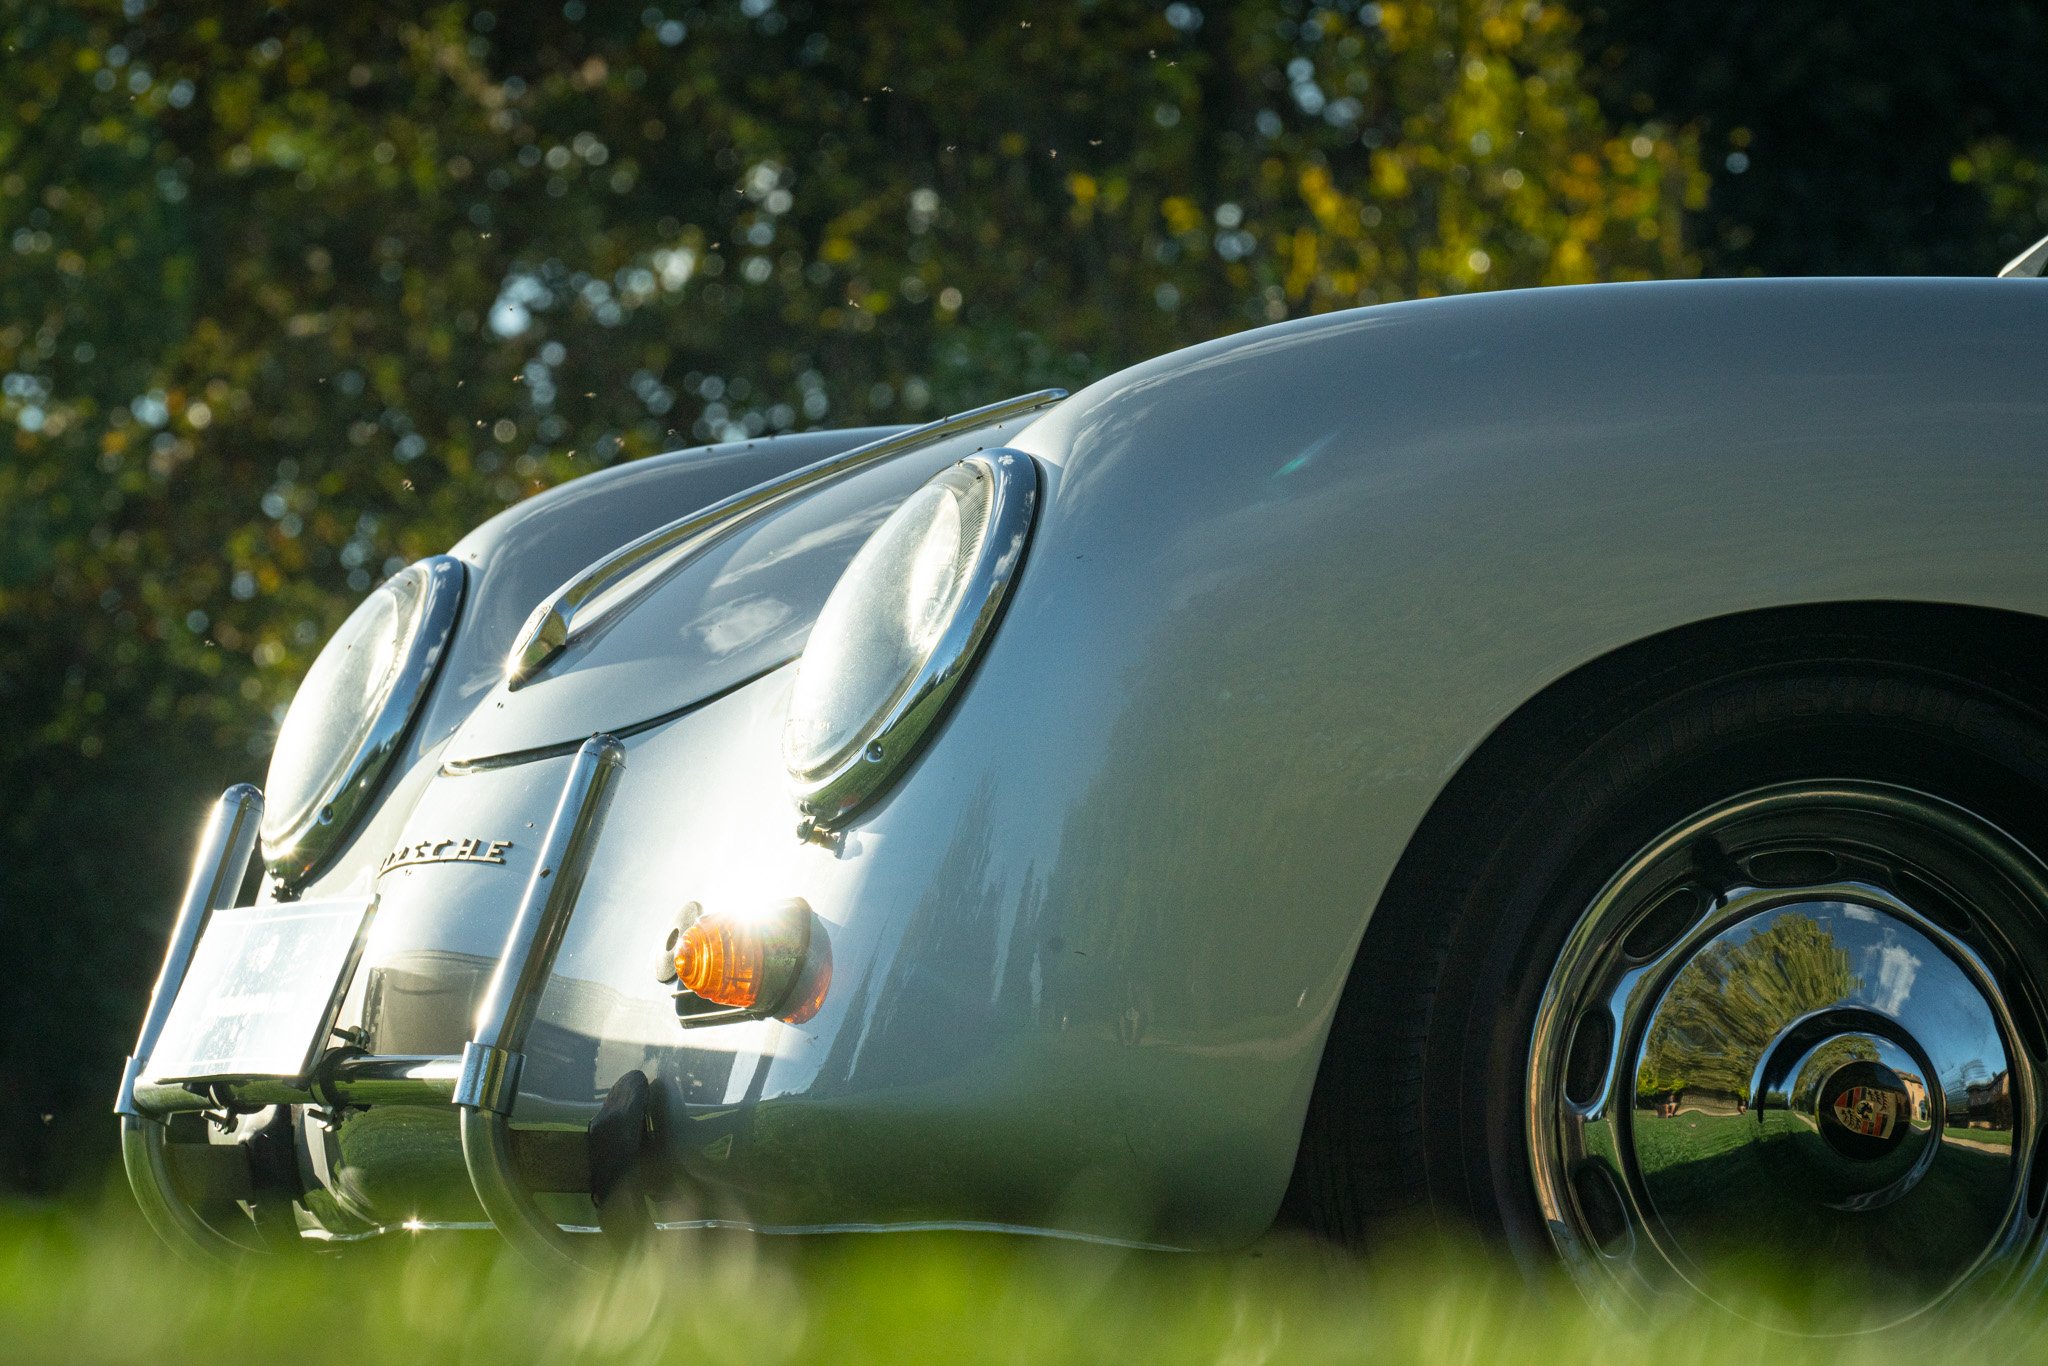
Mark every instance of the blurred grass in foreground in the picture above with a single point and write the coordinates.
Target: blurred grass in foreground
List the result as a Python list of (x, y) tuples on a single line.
[(95, 1285)]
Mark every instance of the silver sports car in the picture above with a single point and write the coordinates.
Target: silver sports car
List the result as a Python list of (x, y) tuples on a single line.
[(1571, 763)]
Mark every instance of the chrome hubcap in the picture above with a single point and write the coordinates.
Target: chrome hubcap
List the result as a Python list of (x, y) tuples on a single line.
[(1798, 1028)]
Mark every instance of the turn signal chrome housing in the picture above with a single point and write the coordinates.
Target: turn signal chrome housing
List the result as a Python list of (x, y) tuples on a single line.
[(747, 961)]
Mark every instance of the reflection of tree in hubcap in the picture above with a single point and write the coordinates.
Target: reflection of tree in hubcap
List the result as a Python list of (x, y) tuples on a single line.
[(1731, 1002)]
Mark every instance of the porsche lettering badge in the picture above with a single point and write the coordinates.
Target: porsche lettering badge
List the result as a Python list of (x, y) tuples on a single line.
[(1868, 1110), (445, 851)]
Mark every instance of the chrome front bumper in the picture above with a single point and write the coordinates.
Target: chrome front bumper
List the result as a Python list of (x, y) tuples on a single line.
[(482, 1083)]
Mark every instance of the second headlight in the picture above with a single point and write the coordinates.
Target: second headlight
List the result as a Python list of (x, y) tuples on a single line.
[(902, 627), (352, 711)]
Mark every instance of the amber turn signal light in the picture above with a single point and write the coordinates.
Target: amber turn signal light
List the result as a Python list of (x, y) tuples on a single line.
[(746, 961)]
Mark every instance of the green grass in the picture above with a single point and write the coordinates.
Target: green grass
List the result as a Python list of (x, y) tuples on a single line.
[(92, 1286)]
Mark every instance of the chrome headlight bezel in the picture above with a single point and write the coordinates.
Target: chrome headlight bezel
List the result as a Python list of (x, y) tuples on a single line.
[(832, 789), (301, 829)]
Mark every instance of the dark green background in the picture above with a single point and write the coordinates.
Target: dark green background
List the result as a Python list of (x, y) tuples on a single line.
[(289, 297)]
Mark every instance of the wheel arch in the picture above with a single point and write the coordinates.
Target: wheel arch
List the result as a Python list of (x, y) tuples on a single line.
[(2014, 644)]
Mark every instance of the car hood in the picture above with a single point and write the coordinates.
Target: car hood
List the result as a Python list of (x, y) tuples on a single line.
[(730, 611)]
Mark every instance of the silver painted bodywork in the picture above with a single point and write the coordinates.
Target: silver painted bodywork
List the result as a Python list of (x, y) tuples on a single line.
[(518, 557), (1085, 952)]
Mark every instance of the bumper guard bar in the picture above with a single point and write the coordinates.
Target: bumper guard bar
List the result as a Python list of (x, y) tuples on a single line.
[(482, 1083)]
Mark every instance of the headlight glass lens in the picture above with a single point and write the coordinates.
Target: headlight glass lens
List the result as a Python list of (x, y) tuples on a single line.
[(353, 706), (901, 625), (878, 627)]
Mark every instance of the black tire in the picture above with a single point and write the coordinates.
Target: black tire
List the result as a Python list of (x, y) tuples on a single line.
[(1418, 1113)]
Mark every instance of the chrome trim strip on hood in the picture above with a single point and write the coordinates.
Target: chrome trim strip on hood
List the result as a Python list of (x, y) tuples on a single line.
[(623, 575), (462, 768)]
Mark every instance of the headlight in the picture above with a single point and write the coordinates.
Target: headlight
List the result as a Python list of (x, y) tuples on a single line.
[(352, 710), (901, 629)]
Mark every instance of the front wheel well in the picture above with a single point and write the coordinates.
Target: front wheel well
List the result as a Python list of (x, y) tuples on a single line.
[(1999, 649)]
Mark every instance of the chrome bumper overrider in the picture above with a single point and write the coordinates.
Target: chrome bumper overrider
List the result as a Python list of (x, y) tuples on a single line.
[(482, 1083)]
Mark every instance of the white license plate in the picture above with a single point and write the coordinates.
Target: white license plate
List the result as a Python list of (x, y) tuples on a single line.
[(262, 991)]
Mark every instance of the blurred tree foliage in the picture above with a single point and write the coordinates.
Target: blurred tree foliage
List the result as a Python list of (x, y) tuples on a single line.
[(289, 298), (1880, 138)]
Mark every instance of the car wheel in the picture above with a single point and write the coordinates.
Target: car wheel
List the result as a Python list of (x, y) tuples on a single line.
[(1740, 962)]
